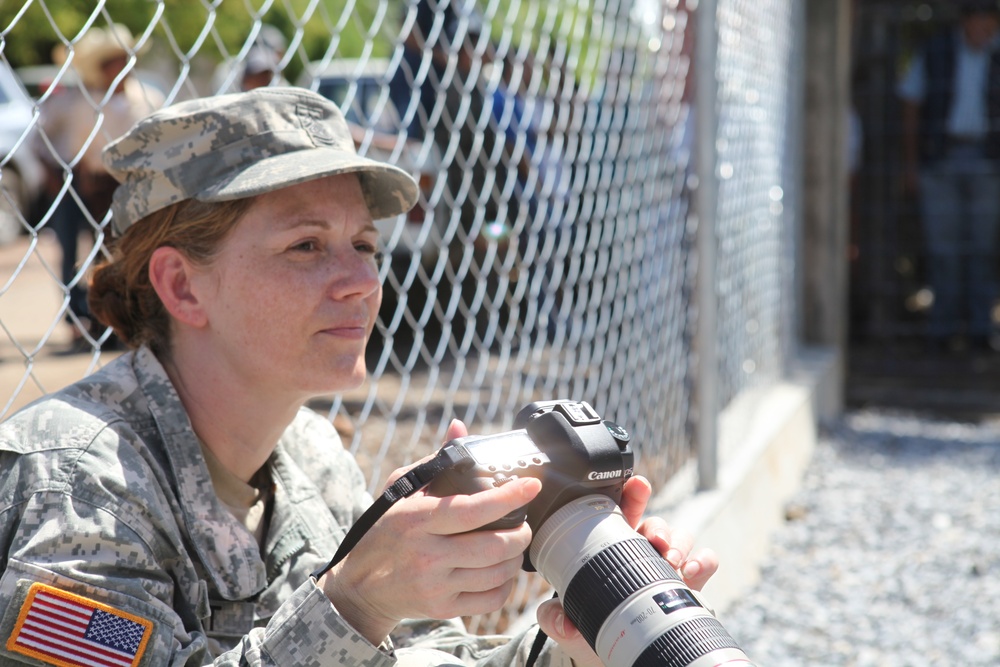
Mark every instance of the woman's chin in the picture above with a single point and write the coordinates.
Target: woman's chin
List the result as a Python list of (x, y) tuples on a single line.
[(340, 378)]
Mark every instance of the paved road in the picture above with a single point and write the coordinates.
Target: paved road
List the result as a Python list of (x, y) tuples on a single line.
[(33, 335)]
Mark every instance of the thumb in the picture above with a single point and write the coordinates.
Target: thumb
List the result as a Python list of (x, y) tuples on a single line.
[(456, 429), (552, 620)]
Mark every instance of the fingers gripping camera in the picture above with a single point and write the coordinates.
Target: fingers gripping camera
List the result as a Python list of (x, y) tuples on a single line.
[(626, 600)]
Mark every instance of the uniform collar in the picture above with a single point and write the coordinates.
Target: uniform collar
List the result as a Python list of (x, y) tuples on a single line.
[(229, 553)]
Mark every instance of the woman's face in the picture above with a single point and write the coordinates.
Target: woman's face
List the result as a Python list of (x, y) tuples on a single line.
[(292, 296)]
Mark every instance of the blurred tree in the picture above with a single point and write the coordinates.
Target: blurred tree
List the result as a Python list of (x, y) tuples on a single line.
[(215, 30), (218, 29)]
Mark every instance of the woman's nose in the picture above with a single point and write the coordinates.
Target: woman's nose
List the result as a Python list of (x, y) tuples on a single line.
[(356, 276)]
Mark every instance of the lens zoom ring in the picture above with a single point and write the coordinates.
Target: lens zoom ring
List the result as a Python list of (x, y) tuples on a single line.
[(686, 642), (610, 578)]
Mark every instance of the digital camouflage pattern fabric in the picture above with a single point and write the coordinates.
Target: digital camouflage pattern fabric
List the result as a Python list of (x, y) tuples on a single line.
[(105, 497), (240, 145)]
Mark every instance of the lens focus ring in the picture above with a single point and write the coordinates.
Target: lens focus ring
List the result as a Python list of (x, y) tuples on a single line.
[(610, 578), (686, 642)]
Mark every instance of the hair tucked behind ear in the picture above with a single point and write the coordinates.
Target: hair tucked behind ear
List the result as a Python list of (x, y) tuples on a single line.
[(121, 295)]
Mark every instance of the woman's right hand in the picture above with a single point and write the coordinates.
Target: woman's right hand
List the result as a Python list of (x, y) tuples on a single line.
[(425, 558)]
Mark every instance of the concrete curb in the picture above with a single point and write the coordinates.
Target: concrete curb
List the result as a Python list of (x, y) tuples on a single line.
[(766, 439)]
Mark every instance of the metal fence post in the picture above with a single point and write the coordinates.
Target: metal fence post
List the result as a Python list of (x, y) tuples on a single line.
[(705, 203)]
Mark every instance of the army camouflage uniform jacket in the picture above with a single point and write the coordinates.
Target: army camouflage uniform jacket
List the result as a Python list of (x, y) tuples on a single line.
[(106, 506)]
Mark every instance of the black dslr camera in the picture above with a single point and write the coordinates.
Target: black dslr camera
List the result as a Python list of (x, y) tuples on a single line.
[(626, 600), (565, 444)]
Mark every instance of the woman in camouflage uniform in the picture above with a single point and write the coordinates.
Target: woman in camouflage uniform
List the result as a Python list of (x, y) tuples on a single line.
[(170, 508)]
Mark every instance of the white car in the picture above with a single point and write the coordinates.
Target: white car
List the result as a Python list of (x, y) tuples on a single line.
[(21, 173)]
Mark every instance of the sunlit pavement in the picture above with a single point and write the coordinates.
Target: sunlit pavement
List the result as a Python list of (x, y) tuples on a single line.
[(35, 339)]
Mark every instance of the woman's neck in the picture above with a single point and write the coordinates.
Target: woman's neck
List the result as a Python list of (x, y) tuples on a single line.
[(239, 425)]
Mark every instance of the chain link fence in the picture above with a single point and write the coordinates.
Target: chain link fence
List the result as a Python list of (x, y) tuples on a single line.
[(552, 253), (758, 166)]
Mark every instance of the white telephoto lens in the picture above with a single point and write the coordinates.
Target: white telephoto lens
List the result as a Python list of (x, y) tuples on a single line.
[(625, 599)]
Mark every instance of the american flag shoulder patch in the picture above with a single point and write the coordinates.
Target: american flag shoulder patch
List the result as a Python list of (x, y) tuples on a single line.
[(60, 628)]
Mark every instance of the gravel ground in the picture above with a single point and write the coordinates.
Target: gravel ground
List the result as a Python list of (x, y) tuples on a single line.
[(891, 553)]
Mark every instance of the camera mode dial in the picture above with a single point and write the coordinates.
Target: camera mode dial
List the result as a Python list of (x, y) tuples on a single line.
[(619, 433)]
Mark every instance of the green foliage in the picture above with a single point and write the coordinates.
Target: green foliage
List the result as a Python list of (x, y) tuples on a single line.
[(214, 29), (217, 29), (30, 32)]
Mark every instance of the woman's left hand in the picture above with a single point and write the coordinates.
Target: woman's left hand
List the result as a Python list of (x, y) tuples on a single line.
[(673, 544)]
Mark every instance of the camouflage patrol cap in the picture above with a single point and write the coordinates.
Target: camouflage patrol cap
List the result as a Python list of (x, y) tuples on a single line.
[(234, 146)]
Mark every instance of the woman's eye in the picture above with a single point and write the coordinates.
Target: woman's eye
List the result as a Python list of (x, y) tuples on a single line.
[(305, 246)]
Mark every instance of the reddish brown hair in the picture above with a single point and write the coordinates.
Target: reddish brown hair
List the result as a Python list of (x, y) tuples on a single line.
[(121, 295)]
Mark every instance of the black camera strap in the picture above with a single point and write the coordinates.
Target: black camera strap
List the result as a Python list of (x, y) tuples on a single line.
[(414, 480), (538, 644)]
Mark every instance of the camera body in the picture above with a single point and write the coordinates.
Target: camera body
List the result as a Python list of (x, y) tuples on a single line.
[(565, 444), (630, 605)]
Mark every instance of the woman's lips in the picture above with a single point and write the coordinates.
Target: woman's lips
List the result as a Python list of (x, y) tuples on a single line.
[(351, 331)]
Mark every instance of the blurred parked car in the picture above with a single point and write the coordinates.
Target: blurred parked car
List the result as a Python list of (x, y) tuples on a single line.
[(37, 79), (413, 244), (21, 174)]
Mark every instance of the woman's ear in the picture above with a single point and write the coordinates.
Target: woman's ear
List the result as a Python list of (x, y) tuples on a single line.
[(170, 274)]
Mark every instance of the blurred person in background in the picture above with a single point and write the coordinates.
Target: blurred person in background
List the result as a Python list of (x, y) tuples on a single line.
[(951, 148), (535, 186), (260, 67), (474, 206), (78, 122), (465, 130), (418, 80), (184, 495)]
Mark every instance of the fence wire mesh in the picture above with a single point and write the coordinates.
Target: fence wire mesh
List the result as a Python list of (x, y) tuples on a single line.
[(757, 168), (550, 254)]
